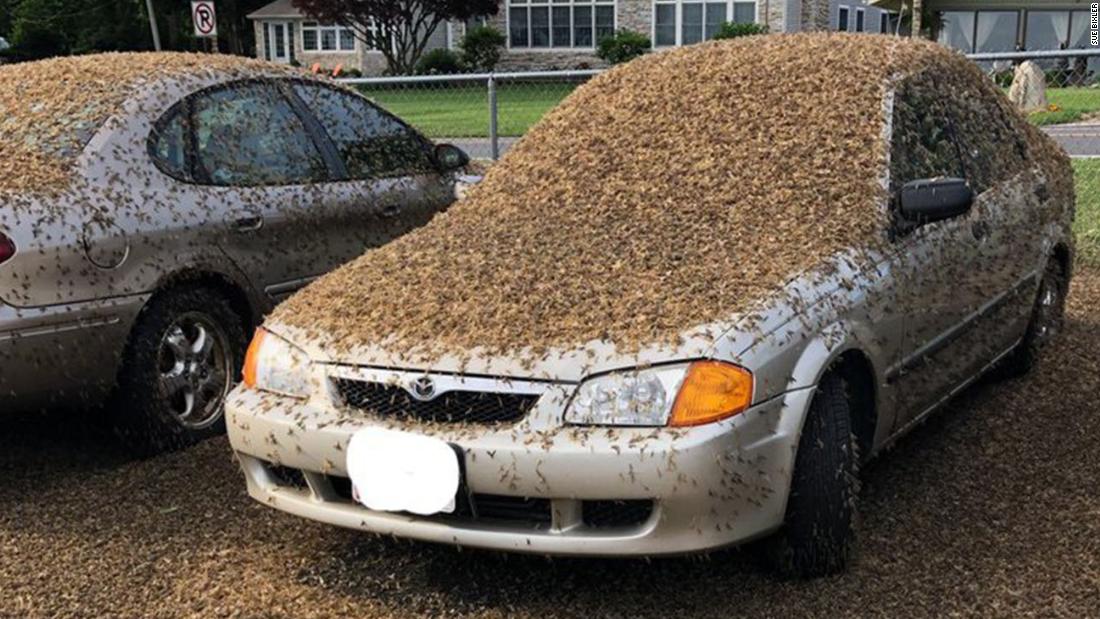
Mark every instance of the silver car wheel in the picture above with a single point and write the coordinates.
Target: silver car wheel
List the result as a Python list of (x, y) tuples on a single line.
[(194, 370)]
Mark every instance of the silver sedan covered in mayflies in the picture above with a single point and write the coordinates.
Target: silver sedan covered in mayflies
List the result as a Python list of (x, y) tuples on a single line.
[(678, 315), (154, 206)]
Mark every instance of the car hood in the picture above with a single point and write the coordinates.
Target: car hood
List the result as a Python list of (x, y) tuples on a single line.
[(731, 339), (556, 364)]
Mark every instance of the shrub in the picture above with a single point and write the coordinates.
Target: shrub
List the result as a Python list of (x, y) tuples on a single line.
[(623, 46), (1003, 78), (732, 30), (439, 62), (481, 47)]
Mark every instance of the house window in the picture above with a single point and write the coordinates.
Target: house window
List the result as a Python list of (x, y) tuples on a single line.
[(559, 23), (322, 38), (685, 22), (842, 19), (884, 23), (1047, 29), (979, 31), (859, 20)]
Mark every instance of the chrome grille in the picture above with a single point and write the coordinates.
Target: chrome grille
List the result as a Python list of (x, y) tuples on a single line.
[(394, 402)]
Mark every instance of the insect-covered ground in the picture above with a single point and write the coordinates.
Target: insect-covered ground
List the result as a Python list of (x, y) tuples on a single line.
[(992, 507)]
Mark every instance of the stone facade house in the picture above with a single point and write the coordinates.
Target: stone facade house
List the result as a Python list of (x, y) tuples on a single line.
[(562, 34), (977, 26)]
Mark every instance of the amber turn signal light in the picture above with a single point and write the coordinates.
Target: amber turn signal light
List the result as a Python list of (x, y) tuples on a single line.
[(712, 390), (251, 358)]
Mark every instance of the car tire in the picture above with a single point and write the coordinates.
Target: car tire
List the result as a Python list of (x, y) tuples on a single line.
[(184, 354), (1047, 319), (818, 530)]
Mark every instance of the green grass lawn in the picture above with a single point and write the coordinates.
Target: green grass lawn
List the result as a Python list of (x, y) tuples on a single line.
[(1087, 226), (463, 111), (1075, 103)]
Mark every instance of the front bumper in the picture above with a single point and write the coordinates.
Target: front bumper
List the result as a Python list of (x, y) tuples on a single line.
[(706, 487)]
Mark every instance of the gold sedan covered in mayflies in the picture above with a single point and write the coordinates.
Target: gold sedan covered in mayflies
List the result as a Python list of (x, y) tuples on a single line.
[(678, 315)]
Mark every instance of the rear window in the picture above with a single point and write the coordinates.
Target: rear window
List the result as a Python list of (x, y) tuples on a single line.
[(49, 109), (41, 139)]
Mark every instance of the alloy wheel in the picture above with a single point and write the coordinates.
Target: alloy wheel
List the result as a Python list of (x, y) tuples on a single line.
[(194, 369)]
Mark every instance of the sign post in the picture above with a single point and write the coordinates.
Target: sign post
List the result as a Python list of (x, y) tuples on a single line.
[(153, 24), (205, 21)]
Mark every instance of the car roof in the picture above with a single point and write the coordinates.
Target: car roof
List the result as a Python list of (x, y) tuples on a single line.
[(50, 108)]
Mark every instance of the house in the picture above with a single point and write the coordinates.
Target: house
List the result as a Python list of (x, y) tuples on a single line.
[(975, 26), (562, 34), (283, 34)]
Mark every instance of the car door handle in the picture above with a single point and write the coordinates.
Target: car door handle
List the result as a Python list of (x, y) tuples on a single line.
[(980, 230), (391, 211), (248, 223)]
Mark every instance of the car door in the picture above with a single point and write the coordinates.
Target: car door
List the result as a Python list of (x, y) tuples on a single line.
[(1009, 191), (264, 173), (941, 287), (390, 182)]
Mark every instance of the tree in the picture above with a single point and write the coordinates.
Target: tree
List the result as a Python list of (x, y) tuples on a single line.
[(43, 28), (6, 7), (400, 29)]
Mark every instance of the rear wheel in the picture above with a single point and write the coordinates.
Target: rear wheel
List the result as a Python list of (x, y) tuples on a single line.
[(182, 359), (819, 527), (1047, 320)]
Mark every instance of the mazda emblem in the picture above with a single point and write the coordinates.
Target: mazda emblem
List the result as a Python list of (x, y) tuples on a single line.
[(422, 388)]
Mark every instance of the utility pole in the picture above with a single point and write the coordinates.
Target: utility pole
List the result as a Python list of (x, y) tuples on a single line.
[(153, 24)]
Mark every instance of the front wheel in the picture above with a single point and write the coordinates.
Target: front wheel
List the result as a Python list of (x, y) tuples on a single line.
[(1048, 316), (819, 526), (182, 359)]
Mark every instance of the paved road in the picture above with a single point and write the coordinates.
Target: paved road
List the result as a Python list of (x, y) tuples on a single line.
[(479, 148), (1079, 140)]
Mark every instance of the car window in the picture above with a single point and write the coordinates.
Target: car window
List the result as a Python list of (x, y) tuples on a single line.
[(167, 143), (248, 134), (372, 143), (992, 149), (923, 145)]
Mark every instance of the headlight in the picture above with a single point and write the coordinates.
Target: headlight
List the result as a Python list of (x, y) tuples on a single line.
[(674, 395), (273, 364)]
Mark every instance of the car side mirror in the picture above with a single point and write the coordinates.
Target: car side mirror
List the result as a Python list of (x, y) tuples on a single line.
[(450, 157), (934, 199)]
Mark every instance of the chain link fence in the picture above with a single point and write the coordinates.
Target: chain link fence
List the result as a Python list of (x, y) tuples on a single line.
[(483, 113), (486, 113), (1068, 110)]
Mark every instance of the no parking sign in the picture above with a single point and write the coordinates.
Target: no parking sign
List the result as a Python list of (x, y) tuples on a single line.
[(204, 18)]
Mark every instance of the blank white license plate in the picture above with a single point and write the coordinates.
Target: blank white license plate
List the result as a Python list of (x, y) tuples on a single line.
[(397, 471)]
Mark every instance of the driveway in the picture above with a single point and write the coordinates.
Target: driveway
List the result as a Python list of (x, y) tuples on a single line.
[(480, 148), (989, 508), (1079, 139)]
